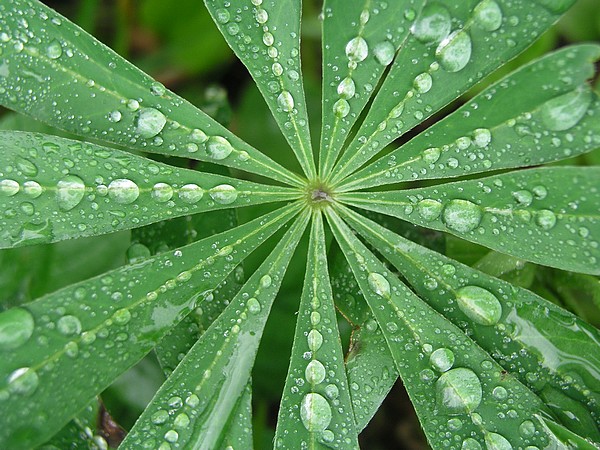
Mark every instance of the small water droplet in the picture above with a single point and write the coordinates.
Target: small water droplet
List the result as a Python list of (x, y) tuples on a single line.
[(171, 436), (341, 108), (442, 359), (479, 305), (488, 15), (159, 417), (222, 15), (379, 284), (454, 52), (285, 101), (357, 49), (69, 192), (433, 25), (384, 53), (315, 372), (315, 340), (149, 122), (431, 155), (23, 381), (218, 147), (8, 188), (162, 192), (500, 393), (458, 391), (181, 421), (332, 391), (429, 209), (191, 193), (16, 327), (545, 219), (69, 325), (315, 412), (423, 83), (347, 88), (115, 116), (564, 112), (527, 429), (482, 137), (266, 281), (261, 16), (462, 215), (123, 191), (224, 194), (523, 197), (253, 306), (122, 316), (54, 50), (540, 192), (137, 252), (157, 89)]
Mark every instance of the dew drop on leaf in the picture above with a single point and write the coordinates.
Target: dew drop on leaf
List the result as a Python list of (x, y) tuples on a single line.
[(454, 52), (315, 372), (442, 359), (149, 122), (429, 209), (379, 284), (479, 305), (315, 340), (69, 325), (54, 50), (218, 147), (224, 194), (69, 192), (285, 101), (384, 53), (488, 15), (564, 112), (32, 189), (315, 412), (462, 215), (545, 219), (8, 188), (16, 327), (495, 441), (423, 83), (458, 391), (347, 88), (431, 155), (341, 108), (471, 444), (23, 381), (191, 193), (253, 306), (357, 49), (123, 191), (433, 25), (162, 192), (482, 137)]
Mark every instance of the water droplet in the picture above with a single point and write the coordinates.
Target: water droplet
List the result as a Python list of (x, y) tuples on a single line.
[(315, 412), (137, 252), (191, 193), (423, 83), (564, 112), (462, 215), (384, 53), (8, 188), (115, 116), (253, 306), (122, 316), (285, 101), (379, 284), (266, 281), (26, 167), (346, 89), (224, 194), (523, 197), (482, 137), (171, 436), (31, 189), (54, 50), (198, 136), (69, 325), (149, 122), (442, 359), (357, 49), (16, 327), (123, 191), (500, 393), (181, 421), (540, 192), (545, 219), (479, 305), (315, 340), (488, 15), (429, 209), (218, 147), (222, 15), (315, 372), (69, 192), (458, 391), (431, 155), (332, 391), (470, 444), (162, 192), (23, 381), (527, 428), (157, 89), (433, 25), (341, 108), (454, 52), (327, 436), (262, 16), (159, 417), (495, 441)]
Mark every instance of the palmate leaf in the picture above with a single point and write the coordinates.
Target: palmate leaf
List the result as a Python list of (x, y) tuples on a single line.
[(546, 215), (453, 383), (49, 61), (452, 46), (85, 335), (195, 404), (315, 410), (265, 35), (506, 321), (53, 189), (543, 112)]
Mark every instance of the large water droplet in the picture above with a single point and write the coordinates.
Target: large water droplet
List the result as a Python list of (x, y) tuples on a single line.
[(384, 53), (429, 209), (458, 391), (69, 192), (16, 327), (149, 122), (224, 194), (495, 441), (379, 284), (564, 112), (8, 188), (341, 108), (346, 89), (482, 137), (433, 25), (315, 340), (191, 193), (32, 189), (431, 155), (54, 50), (479, 305), (23, 381), (423, 83), (488, 15), (462, 215), (218, 147), (69, 325), (545, 219), (470, 444), (357, 49), (454, 52), (285, 101), (162, 192), (315, 412), (123, 191), (253, 306), (442, 359), (315, 372)]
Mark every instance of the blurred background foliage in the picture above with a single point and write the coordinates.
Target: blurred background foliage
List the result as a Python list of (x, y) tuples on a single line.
[(177, 43)]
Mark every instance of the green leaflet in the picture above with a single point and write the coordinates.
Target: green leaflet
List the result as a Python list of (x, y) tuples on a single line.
[(547, 215), (238, 433), (85, 335), (194, 405), (452, 46), (48, 61), (315, 411), (452, 382), (506, 321), (273, 26), (53, 189), (361, 40), (543, 112)]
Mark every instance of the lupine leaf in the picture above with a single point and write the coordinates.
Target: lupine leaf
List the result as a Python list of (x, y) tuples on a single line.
[(548, 215), (238, 432), (85, 335), (452, 382), (506, 321), (193, 407), (453, 45), (315, 410), (53, 189), (273, 59), (543, 112), (48, 61), (361, 39)]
